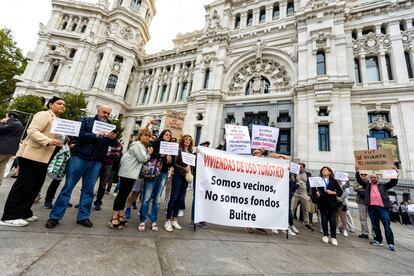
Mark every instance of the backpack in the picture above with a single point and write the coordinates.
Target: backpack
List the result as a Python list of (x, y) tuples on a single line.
[(57, 167), (150, 169)]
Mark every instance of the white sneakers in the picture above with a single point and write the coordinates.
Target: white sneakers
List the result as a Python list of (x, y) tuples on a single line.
[(345, 233), (325, 239), (274, 231), (294, 229), (168, 226), (14, 222), (334, 242), (175, 225), (31, 219), (180, 213)]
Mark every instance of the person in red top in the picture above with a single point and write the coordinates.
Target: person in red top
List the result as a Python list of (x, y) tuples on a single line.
[(378, 202)]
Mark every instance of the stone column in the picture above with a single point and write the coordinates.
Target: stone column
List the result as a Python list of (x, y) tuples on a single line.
[(282, 9), (269, 13), (129, 127), (154, 88), (383, 68), (104, 68), (174, 83), (401, 74), (243, 18), (123, 77), (363, 70)]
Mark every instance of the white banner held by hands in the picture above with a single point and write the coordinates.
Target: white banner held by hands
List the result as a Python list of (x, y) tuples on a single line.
[(390, 174), (264, 137), (294, 168), (188, 158), (168, 148), (99, 126), (66, 127), (237, 139), (341, 176), (316, 182)]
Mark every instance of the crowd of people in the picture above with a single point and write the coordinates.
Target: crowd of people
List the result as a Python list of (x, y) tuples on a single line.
[(142, 173)]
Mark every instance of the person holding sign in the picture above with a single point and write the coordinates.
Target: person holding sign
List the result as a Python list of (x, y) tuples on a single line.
[(131, 165), (155, 185), (87, 156), (378, 202), (35, 153), (179, 183), (301, 195), (326, 198)]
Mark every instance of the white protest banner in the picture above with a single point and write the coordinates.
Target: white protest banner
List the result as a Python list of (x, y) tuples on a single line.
[(316, 182), (372, 143), (188, 158), (66, 127), (237, 139), (99, 126), (294, 168), (410, 208), (168, 148), (341, 176), (264, 137), (390, 174), (241, 191)]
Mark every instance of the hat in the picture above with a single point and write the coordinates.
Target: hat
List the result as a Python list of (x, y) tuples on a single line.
[(205, 144)]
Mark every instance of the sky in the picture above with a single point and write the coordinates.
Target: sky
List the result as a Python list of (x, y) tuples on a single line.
[(173, 17)]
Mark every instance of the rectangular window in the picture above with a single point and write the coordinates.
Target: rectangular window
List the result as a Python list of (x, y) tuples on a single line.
[(237, 21), (262, 16), (126, 91), (53, 73), (249, 19), (388, 65), (163, 97), (373, 73), (290, 9), (357, 71), (111, 84), (206, 78), (276, 11), (320, 63), (323, 133), (198, 135), (144, 98), (283, 144), (409, 65), (184, 91), (93, 79)]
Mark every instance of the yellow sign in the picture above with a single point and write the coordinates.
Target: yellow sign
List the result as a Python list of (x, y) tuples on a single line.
[(174, 121)]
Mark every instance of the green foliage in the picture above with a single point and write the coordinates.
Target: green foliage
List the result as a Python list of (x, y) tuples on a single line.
[(119, 126), (75, 106), (12, 62), (27, 105)]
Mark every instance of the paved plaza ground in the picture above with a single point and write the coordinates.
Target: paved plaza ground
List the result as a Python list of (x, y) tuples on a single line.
[(70, 249)]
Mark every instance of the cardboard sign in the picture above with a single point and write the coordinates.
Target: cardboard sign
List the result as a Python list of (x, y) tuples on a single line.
[(390, 174), (99, 126), (168, 148), (374, 159), (280, 156), (188, 158), (294, 168), (264, 137), (241, 190), (341, 176), (316, 182), (237, 139), (174, 121), (66, 127)]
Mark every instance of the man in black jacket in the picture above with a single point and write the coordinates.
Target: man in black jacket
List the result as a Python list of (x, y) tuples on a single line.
[(302, 195), (11, 130), (378, 202), (86, 161)]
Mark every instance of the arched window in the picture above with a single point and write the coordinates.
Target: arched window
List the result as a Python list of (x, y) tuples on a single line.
[(354, 34), (237, 21), (83, 29), (290, 8), (74, 26), (372, 69), (367, 30), (112, 80), (258, 85), (249, 19), (357, 71), (408, 64), (320, 63), (64, 25), (262, 16), (135, 4), (403, 25)]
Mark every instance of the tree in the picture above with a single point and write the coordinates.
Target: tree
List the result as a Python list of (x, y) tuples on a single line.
[(12, 62), (75, 106), (27, 105), (119, 126)]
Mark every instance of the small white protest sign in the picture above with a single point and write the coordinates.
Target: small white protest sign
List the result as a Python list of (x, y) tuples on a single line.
[(372, 143), (66, 127), (99, 126), (264, 137), (341, 176), (188, 158), (168, 148), (294, 168), (410, 208), (237, 139), (316, 182), (390, 174)]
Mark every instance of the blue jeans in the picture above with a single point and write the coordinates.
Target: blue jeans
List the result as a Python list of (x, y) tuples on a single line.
[(152, 187), (377, 214), (178, 189), (77, 168)]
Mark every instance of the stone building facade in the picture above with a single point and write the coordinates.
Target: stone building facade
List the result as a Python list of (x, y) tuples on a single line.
[(327, 73)]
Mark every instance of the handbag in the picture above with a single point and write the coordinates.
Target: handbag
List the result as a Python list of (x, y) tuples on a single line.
[(57, 167), (189, 177)]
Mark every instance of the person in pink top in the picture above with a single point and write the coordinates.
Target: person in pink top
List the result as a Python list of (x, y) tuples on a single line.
[(378, 202)]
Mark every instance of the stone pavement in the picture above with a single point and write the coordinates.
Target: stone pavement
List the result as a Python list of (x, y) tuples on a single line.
[(70, 249)]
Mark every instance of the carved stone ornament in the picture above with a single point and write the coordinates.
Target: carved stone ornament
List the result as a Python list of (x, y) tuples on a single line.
[(60, 51), (371, 44), (185, 74), (407, 39), (127, 32), (258, 48), (165, 77), (379, 124), (316, 4), (116, 67), (147, 80), (275, 72)]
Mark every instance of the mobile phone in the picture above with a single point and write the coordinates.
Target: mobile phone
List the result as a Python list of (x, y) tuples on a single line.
[(115, 131)]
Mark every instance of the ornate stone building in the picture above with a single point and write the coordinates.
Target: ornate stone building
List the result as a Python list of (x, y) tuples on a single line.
[(327, 73)]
